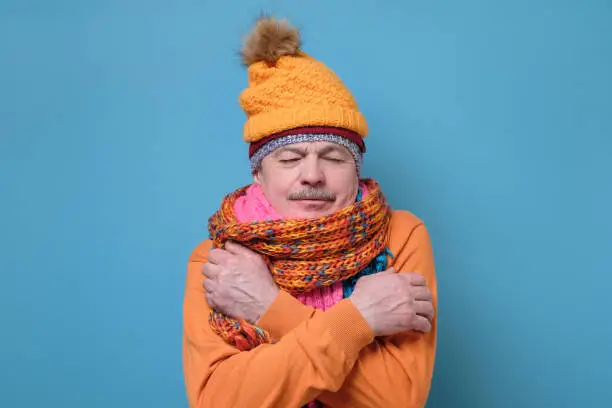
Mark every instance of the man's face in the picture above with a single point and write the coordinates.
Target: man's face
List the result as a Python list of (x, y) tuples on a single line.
[(305, 180)]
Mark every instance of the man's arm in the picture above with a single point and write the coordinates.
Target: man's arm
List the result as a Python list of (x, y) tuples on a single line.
[(314, 356), (393, 371)]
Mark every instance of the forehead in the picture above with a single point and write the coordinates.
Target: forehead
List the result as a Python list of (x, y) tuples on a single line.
[(313, 147)]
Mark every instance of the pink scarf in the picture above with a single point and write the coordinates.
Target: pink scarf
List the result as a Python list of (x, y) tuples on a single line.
[(254, 206)]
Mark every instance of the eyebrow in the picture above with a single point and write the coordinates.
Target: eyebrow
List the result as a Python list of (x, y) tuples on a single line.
[(289, 149)]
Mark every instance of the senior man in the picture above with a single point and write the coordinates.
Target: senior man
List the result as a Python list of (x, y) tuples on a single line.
[(310, 290)]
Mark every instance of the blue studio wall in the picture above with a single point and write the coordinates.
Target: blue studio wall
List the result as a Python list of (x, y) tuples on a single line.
[(120, 131)]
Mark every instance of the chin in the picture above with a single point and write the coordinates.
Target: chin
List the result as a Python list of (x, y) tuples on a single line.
[(314, 214)]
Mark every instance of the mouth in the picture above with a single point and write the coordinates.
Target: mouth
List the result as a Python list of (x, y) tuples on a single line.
[(313, 203), (314, 199)]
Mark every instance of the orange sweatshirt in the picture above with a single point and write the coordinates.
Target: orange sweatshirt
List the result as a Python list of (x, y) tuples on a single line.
[(328, 355)]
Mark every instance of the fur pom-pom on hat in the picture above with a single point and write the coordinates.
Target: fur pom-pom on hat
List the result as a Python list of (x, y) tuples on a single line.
[(269, 40)]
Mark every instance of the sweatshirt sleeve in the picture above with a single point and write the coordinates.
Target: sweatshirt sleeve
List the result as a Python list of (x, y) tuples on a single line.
[(392, 371), (315, 356)]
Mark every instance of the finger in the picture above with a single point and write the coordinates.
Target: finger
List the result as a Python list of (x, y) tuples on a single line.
[(424, 309), (209, 285), (210, 300), (211, 271), (421, 324), (421, 293), (237, 249), (219, 256), (415, 279)]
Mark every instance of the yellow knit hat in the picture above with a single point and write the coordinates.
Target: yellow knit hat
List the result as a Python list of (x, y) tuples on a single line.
[(289, 89)]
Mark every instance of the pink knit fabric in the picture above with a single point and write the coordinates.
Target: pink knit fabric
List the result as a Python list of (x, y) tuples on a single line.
[(253, 206)]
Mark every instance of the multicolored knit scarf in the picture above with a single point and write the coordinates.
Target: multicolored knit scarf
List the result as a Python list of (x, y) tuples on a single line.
[(303, 254)]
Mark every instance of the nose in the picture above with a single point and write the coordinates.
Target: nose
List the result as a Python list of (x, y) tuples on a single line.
[(312, 173)]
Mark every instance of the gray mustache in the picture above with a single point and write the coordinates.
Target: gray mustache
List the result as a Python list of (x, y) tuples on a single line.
[(313, 194)]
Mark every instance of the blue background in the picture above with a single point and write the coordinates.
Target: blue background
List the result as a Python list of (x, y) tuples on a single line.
[(120, 131)]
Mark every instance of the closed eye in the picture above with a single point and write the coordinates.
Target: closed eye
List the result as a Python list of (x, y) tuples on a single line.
[(334, 159)]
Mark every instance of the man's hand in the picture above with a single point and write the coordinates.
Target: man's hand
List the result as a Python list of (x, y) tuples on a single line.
[(394, 302), (238, 282)]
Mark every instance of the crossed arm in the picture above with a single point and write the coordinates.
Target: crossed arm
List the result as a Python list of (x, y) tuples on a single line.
[(331, 356)]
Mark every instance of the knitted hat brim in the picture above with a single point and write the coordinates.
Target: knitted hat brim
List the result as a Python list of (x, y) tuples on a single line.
[(311, 130), (274, 121)]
